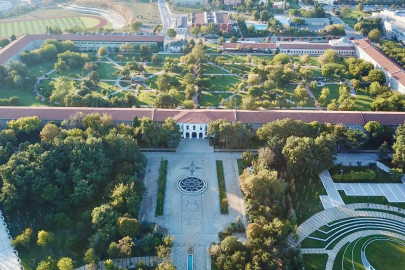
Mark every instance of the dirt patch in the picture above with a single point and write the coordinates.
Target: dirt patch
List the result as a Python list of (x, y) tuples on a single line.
[(102, 21)]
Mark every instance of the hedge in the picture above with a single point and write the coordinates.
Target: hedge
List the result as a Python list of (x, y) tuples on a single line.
[(161, 188), (223, 201)]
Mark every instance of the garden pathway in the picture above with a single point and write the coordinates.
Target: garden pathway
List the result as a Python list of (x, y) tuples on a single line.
[(333, 198), (318, 107), (345, 212), (393, 192), (126, 263)]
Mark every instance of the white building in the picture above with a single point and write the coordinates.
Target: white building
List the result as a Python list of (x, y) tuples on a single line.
[(317, 21), (341, 46), (395, 29), (394, 73), (176, 46), (326, 2), (280, 5), (193, 124), (5, 6)]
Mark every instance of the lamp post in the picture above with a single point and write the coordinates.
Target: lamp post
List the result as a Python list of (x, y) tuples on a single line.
[(341, 172)]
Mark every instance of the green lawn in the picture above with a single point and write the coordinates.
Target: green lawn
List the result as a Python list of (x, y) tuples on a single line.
[(73, 73), (45, 87), (212, 99), (306, 198), (351, 18), (126, 56), (223, 84), (290, 94), (186, 8), (382, 254), (39, 26), (211, 69), (146, 98), (334, 92), (27, 98), (161, 188), (315, 261), (363, 100), (173, 55), (35, 70), (371, 199), (239, 98), (294, 5), (313, 60), (153, 68), (106, 70), (223, 202), (152, 82), (238, 69)]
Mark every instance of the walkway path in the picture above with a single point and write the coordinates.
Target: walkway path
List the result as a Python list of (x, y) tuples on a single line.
[(8, 255), (127, 263), (318, 107), (333, 198)]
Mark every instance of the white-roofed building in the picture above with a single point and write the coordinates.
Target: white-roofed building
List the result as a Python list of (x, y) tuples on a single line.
[(395, 29)]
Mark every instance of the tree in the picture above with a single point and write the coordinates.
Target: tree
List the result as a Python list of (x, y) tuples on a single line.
[(233, 39), (188, 104), (171, 33), (166, 266), (62, 87), (145, 52), (125, 246), (44, 238), (195, 30), (248, 103), (49, 132), (264, 16), (102, 51), (22, 239), (345, 10), (172, 133), (398, 158), (281, 58), (109, 265), (26, 125), (253, 79), (104, 218), (383, 151), (135, 122), (127, 226), (324, 96), (374, 35), (13, 37), (359, 7), (304, 59), (355, 138), (165, 100), (266, 155), (135, 26), (300, 92), (65, 263), (204, 30), (4, 42), (90, 256), (377, 75), (254, 230), (374, 128), (329, 56), (61, 66)]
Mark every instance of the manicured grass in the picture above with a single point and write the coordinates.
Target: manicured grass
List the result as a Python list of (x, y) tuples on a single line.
[(390, 255), (223, 201), (212, 99), (35, 70), (337, 264), (161, 188), (238, 69), (78, 72), (239, 98), (235, 57), (351, 18), (27, 97), (39, 26), (211, 69), (146, 98), (172, 55), (126, 57), (225, 83), (363, 100), (290, 94), (185, 8), (106, 85), (294, 5), (106, 70), (152, 82), (313, 60), (306, 197), (315, 261)]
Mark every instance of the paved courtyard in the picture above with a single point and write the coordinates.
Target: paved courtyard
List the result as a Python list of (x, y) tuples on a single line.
[(194, 220)]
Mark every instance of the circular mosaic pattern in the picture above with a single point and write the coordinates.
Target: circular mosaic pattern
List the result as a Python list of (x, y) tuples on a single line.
[(192, 185)]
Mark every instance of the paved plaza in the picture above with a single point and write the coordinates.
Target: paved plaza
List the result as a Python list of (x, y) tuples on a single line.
[(193, 219)]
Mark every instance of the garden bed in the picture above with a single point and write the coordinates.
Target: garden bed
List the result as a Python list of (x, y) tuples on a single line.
[(223, 201), (161, 188), (360, 174)]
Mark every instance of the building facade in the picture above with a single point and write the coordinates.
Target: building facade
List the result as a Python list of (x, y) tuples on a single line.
[(326, 2), (249, 47), (394, 29), (394, 73), (280, 5)]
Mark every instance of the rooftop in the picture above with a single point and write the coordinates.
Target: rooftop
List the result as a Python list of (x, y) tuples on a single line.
[(256, 46), (205, 116), (309, 46), (198, 17), (382, 60), (223, 18), (23, 40)]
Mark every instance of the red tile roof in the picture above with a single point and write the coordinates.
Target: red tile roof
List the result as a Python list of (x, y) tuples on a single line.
[(14, 47), (382, 60), (205, 116), (223, 18), (256, 46), (198, 17)]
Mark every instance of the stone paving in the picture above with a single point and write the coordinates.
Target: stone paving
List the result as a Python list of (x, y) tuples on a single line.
[(393, 192), (333, 198), (194, 220)]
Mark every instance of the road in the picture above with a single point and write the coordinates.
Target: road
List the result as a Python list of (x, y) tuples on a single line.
[(166, 16)]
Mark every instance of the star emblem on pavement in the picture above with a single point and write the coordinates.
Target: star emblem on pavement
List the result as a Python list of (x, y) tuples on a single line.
[(192, 168)]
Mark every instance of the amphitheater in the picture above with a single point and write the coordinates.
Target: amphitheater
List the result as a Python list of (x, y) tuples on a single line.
[(343, 233)]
